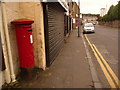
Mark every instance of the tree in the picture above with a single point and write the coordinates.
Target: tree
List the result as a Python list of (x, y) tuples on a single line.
[(106, 18), (113, 13)]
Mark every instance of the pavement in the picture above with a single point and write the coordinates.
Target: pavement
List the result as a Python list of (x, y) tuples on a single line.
[(69, 70)]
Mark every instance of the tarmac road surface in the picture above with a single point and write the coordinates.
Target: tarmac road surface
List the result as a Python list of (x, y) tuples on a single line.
[(106, 41)]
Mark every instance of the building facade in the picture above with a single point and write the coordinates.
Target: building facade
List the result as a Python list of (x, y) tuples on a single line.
[(74, 13), (102, 12), (92, 18), (16, 10), (71, 17)]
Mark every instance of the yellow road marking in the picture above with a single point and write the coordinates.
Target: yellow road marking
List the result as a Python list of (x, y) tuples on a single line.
[(108, 67), (110, 81)]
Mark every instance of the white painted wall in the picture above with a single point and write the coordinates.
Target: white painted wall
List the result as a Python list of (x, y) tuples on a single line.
[(2, 81), (29, 10)]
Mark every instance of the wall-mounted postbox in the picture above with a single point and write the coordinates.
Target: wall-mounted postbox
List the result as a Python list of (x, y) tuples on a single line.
[(24, 42)]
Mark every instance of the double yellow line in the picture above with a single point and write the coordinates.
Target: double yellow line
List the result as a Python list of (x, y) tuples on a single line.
[(108, 72)]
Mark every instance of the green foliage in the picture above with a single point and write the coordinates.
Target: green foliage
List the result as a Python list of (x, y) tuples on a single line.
[(113, 13), (92, 15), (106, 17)]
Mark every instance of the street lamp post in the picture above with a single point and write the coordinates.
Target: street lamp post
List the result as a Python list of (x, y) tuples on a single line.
[(78, 18)]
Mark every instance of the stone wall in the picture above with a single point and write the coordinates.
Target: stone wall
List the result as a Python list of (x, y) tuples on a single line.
[(34, 11), (13, 12), (115, 24), (29, 10)]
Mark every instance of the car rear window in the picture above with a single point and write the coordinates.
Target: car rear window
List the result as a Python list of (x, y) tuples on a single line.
[(89, 25)]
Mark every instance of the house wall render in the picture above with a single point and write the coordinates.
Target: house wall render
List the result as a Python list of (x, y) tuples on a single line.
[(33, 11)]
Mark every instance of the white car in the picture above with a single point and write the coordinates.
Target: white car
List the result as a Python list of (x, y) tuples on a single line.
[(88, 27)]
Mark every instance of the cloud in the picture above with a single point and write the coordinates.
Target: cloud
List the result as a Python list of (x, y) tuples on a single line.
[(94, 6)]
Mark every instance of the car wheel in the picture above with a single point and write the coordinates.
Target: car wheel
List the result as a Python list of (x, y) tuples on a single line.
[(83, 32)]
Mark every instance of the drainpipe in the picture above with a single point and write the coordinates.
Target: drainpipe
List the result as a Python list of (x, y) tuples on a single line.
[(6, 71), (5, 27)]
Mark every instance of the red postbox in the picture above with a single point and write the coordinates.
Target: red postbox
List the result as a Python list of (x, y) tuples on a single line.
[(24, 42)]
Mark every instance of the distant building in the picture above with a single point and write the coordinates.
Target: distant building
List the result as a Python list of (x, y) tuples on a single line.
[(74, 13), (102, 12), (71, 17), (92, 18)]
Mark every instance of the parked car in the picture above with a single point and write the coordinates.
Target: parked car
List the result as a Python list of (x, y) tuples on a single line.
[(88, 27)]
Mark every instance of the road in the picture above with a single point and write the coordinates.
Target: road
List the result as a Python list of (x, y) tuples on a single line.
[(106, 41)]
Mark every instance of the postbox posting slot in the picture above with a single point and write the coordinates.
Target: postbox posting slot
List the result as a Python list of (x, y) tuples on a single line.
[(29, 30), (27, 26)]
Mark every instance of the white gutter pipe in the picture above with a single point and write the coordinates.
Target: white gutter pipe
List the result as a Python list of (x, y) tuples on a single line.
[(6, 71), (5, 26)]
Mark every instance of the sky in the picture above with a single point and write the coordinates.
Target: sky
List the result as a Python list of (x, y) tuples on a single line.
[(94, 6)]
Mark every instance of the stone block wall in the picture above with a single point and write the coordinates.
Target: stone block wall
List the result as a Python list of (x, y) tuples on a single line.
[(33, 11), (115, 24)]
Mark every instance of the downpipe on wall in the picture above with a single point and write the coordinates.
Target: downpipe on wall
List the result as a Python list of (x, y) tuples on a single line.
[(6, 33), (7, 70)]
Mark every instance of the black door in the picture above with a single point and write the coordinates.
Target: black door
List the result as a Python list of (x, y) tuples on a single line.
[(54, 30), (66, 25), (70, 24)]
